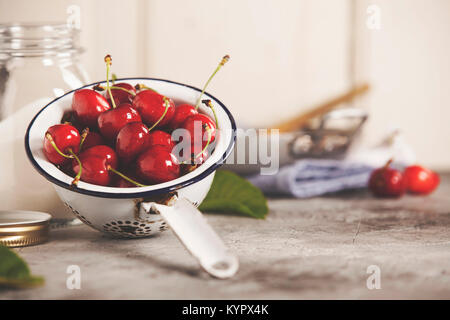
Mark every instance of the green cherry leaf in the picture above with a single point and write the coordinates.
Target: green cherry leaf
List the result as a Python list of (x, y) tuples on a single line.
[(14, 271), (231, 193)]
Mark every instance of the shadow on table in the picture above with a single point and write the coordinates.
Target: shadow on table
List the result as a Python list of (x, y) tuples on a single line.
[(121, 248)]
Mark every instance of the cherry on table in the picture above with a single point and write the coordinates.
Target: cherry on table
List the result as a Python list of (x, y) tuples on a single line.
[(111, 121), (387, 182), (157, 165), (66, 138), (88, 105), (420, 180)]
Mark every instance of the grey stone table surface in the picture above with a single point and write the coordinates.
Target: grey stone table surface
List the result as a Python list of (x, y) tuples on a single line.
[(318, 248)]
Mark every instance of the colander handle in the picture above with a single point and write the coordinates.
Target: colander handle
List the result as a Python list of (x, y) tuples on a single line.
[(194, 232)]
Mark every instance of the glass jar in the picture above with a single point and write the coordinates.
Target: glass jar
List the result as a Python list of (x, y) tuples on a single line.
[(38, 62)]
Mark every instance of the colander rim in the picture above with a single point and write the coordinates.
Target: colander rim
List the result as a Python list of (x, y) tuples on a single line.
[(140, 194)]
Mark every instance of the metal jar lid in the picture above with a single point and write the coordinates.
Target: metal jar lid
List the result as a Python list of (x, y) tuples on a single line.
[(23, 228)]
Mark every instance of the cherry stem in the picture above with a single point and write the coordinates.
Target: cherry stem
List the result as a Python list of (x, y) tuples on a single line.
[(99, 87), (209, 104), (108, 66), (52, 142), (167, 104), (83, 136), (388, 163), (207, 143), (125, 177), (71, 156), (203, 150), (123, 89), (222, 62), (141, 86), (78, 176)]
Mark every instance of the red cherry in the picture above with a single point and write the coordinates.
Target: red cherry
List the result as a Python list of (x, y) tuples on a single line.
[(197, 126), (151, 106), (69, 117), (121, 96), (65, 137), (88, 105), (182, 112), (105, 152), (157, 165), (188, 164), (95, 164), (123, 183), (161, 138), (92, 139), (420, 180), (193, 159), (387, 182), (199, 158), (132, 139), (110, 122), (94, 171)]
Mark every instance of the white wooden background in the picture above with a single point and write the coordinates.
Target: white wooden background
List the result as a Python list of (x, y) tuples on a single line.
[(286, 55)]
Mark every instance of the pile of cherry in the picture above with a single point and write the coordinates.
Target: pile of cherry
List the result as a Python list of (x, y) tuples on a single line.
[(389, 182), (122, 136)]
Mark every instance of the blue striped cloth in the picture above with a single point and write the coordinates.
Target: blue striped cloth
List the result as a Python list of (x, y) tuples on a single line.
[(313, 177)]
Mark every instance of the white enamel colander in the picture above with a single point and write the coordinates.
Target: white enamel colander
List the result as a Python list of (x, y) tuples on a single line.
[(145, 211)]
